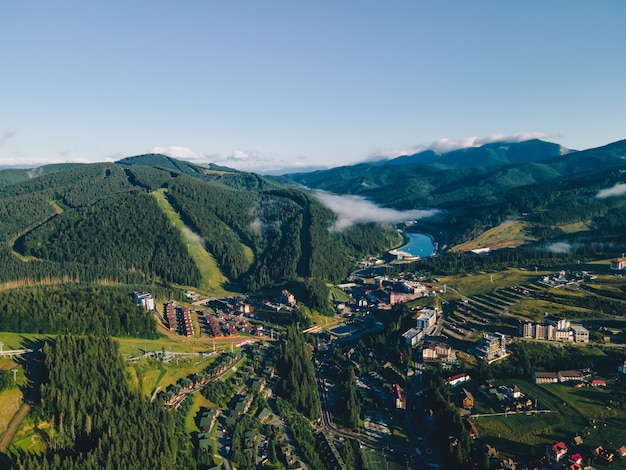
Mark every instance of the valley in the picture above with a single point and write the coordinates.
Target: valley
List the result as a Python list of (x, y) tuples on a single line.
[(299, 345)]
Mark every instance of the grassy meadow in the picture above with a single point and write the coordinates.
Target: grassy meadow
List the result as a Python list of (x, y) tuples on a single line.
[(589, 412), (508, 234)]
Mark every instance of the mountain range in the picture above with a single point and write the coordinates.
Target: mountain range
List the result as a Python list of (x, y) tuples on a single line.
[(115, 221)]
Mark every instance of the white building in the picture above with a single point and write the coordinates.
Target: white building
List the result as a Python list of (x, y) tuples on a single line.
[(554, 330), (412, 336), (144, 299), (427, 319), (581, 334)]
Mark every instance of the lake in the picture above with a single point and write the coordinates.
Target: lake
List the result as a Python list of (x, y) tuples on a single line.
[(420, 244)]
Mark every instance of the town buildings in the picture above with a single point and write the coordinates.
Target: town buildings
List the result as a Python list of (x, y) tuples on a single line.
[(491, 347), (554, 329), (144, 299)]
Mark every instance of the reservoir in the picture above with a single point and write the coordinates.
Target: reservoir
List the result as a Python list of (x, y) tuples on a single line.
[(419, 245)]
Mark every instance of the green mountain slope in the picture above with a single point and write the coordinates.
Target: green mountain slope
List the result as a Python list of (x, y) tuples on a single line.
[(15, 175), (475, 197), (98, 223)]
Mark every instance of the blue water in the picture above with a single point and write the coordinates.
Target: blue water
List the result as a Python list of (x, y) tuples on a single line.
[(419, 245)]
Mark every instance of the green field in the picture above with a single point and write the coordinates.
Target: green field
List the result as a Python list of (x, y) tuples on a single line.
[(534, 309), (575, 410), (148, 374), (135, 346), (375, 460), (508, 234)]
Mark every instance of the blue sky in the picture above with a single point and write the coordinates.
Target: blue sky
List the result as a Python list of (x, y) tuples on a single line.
[(260, 85)]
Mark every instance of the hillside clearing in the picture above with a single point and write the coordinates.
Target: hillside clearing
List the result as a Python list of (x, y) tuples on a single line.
[(213, 280), (508, 234)]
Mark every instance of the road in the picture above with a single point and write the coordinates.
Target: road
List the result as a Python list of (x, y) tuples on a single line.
[(365, 439), (14, 425)]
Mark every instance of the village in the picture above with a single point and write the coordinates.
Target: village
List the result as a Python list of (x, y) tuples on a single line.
[(392, 390)]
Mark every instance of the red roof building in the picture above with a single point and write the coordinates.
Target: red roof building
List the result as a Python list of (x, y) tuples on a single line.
[(558, 451)]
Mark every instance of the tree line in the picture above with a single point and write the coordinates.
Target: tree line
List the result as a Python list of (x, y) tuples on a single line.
[(72, 309), (295, 366), (98, 421)]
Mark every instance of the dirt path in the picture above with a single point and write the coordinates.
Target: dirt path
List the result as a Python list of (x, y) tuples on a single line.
[(7, 437)]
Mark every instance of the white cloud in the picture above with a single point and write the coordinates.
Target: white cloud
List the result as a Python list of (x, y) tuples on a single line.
[(6, 135), (351, 210), (619, 189), (239, 159), (184, 153), (562, 247), (192, 236), (445, 144)]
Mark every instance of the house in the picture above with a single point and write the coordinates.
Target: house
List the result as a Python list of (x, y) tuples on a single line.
[(512, 393), (492, 452), (621, 451), (618, 264), (268, 372), (468, 399), (243, 404), (603, 453), (287, 298), (259, 384), (570, 376), (471, 428), (457, 379), (576, 458), (204, 442), (553, 329), (577, 440), (558, 451), (581, 334), (207, 419), (545, 377), (598, 383), (144, 299), (264, 414)]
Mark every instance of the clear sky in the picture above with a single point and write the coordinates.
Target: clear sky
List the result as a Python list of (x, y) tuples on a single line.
[(260, 85)]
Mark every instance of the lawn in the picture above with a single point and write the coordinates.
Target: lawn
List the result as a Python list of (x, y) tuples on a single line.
[(199, 402), (151, 373), (381, 460), (27, 439), (534, 309), (482, 283)]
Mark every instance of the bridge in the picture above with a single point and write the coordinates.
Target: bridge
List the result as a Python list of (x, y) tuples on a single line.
[(13, 352)]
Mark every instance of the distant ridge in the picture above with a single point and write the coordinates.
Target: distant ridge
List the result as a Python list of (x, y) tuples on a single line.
[(157, 160), (11, 175), (495, 153), (427, 179)]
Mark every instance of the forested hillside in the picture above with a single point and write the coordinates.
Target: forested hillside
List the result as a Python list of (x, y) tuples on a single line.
[(72, 309), (550, 193), (98, 223), (98, 422)]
